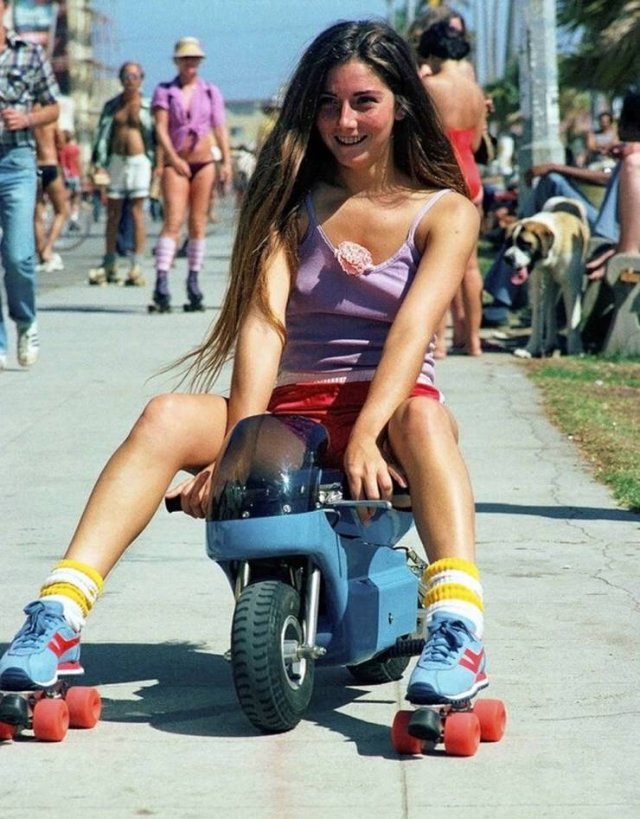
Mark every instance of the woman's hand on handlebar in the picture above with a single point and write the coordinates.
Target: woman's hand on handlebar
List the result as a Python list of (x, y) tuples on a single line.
[(193, 493), (369, 474)]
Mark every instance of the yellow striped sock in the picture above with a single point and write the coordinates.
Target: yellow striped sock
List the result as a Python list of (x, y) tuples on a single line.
[(452, 591), (75, 581), (453, 586), (452, 564)]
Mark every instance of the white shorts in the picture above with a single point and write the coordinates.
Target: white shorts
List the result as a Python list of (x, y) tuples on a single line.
[(130, 176)]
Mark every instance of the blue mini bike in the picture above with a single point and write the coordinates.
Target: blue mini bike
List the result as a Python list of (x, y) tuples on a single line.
[(312, 583)]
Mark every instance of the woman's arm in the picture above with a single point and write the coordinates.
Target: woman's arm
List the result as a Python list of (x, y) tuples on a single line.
[(452, 233), (259, 348), (571, 172), (255, 367), (222, 138)]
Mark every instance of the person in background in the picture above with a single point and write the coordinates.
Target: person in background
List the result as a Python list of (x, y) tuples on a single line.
[(125, 147), (26, 79), (602, 139), (352, 239), (50, 189), (69, 153), (189, 117), (616, 221), (462, 106)]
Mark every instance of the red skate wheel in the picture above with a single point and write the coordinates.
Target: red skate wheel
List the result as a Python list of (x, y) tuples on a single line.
[(401, 740), (84, 706), (7, 731), (50, 720), (493, 719), (461, 733)]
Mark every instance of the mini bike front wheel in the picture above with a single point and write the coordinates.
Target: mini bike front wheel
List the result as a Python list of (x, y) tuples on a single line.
[(273, 682)]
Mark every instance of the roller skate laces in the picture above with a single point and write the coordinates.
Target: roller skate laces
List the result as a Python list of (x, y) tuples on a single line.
[(451, 667)]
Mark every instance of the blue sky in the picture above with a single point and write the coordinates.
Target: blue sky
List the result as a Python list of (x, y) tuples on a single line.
[(251, 45)]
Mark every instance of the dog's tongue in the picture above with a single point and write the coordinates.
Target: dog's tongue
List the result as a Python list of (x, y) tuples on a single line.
[(520, 275)]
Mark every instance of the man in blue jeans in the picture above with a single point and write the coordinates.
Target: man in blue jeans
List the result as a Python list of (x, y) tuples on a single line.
[(26, 78)]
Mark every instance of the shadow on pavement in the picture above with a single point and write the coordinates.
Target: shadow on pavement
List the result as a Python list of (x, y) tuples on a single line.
[(88, 308), (559, 512), (184, 689)]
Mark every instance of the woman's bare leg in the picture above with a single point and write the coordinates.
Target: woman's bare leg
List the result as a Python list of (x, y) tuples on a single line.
[(57, 194), (199, 199), (175, 193), (174, 432), (423, 437)]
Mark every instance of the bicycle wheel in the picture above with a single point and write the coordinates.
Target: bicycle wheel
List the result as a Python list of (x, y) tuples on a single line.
[(75, 231)]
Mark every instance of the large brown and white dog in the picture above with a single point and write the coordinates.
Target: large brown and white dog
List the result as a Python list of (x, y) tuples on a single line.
[(548, 250)]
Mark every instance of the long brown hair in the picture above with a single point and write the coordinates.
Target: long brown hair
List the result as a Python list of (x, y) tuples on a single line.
[(294, 158)]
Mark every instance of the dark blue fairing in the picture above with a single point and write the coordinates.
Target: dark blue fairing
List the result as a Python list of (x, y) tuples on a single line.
[(270, 466)]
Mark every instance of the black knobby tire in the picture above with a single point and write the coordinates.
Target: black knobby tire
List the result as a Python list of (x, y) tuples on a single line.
[(378, 670), (273, 687)]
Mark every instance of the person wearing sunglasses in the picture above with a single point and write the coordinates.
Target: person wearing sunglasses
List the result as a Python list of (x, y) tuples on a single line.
[(125, 147)]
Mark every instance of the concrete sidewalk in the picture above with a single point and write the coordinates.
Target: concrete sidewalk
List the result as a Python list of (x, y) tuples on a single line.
[(559, 563)]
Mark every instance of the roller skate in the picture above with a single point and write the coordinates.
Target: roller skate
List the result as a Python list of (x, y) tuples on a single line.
[(448, 675), (34, 693), (194, 294), (104, 275), (161, 302), (135, 277)]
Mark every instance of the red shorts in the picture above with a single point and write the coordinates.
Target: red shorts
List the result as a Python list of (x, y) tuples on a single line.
[(336, 406)]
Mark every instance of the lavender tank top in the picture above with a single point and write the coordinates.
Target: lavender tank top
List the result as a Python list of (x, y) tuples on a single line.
[(337, 324)]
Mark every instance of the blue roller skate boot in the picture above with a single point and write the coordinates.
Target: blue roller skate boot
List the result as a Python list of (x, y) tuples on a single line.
[(194, 294), (451, 667), (45, 647)]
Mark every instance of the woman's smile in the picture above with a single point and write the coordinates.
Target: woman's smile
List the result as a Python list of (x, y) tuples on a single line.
[(354, 140), (356, 115)]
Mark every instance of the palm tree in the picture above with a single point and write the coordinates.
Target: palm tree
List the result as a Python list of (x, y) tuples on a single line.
[(608, 56)]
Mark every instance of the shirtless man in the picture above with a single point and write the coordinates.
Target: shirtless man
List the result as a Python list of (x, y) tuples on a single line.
[(51, 187), (125, 146)]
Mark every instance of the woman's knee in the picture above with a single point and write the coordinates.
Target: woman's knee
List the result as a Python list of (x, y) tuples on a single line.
[(161, 421), (420, 418)]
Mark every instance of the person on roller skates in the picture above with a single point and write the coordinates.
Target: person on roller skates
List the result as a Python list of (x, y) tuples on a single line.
[(352, 240), (189, 117)]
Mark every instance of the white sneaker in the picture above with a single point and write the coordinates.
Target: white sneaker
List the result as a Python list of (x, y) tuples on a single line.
[(55, 263), (3, 361), (28, 345)]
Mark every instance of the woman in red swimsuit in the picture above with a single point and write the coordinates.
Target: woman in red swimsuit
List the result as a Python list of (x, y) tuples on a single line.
[(461, 105)]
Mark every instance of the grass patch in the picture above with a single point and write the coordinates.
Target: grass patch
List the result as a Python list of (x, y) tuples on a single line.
[(596, 402)]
